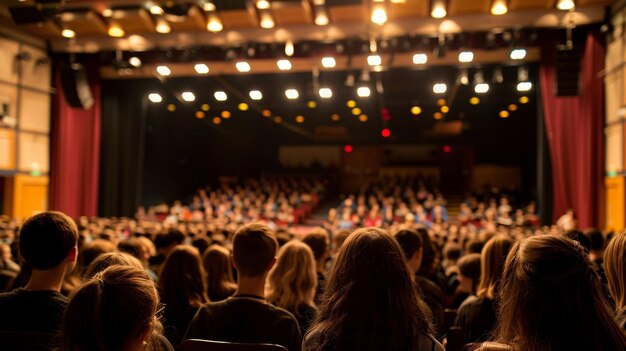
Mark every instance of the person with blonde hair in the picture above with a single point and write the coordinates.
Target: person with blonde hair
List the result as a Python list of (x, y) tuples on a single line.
[(219, 271), (551, 300), (116, 310), (477, 314), (182, 285), (292, 282), (615, 269), (371, 301), (107, 260)]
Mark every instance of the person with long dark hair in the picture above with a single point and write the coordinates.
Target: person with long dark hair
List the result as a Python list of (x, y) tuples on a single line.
[(371, 302), (551, 300), (615, 268)]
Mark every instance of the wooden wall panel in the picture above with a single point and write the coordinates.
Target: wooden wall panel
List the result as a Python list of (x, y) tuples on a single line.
[(36, 71), (35, 111), (30, 195), (614, 148), (33, 152), (615, 203), (8, 51), (614, 81), (7, 149)]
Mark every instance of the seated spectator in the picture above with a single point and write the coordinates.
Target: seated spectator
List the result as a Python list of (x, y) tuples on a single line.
[(48, 244), (550, 299), (468, 277), (182, 285), (477, 314), (412, 247), (596, 254), (92, 250), (292, 283), (114, 311), (615, 265), (219, 271), (107, 260), (317, 239), (246, 317), (370, 302)]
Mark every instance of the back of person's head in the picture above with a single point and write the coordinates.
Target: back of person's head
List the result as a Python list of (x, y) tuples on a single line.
[(115, 310), (201, 244), (429, 254), (292, 280), (47, 239), (219, 271), (133, 246), (579, 237), (109, 259), (410, 242), (92, 250), (492, 260), (317, 240), (183, 279), (254, 250), (551, 299), (370, 301), (596, 239), (475, 246), (615, 269), (469, 266), (452, 251)]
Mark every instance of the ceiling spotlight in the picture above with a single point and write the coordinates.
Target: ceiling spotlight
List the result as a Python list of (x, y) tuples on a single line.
[(255, 95), (374, 60), (326, 93), (420, 59), (466, 56), (155, 97), (283, 65), (379, 15), (115, 30), (440, 88), (481, 88), (438, 8), (499, 7), (518, 54), (201, 68), (134, 61), (188, 96), (162, 26), (266, 20), (220, 96), (497, 77), (107, 13), (363, 91), (329, 62), (163, 70), (292, 94), (214, 24), (156, 10), (321, 16), (209, 7), (289, 49), (524, 86), (565, 5), (263, 5), (242, 66), (68, 33), (463, 77)]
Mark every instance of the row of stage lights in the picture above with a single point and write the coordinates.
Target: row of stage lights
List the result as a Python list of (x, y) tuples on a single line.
[(266, 18), (328, 62), (354, 110)]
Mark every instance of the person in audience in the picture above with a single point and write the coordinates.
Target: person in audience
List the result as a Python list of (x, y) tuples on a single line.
[(578, 236), (468, 277), (182, 285), (412, 247), (246, 317), (370, 302), (107, 260), (292, 282), (48, 244), (550, 299), (317, 239), (92, 250), (596, 255), (615, 268), (116, 310), (220, 282), (477, 315)]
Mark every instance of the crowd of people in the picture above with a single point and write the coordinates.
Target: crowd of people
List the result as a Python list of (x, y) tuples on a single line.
[(366, 289)]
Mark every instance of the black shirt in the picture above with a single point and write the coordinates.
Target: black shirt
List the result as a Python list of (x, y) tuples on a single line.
[(433, 296), (245, 320), (29, 319)]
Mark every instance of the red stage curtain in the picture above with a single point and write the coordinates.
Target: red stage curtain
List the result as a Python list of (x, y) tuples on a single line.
[(574, 127), (75, 154)]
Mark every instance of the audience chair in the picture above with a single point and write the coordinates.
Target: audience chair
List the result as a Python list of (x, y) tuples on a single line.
[(449, 315), (455, 339), (210, 345)]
